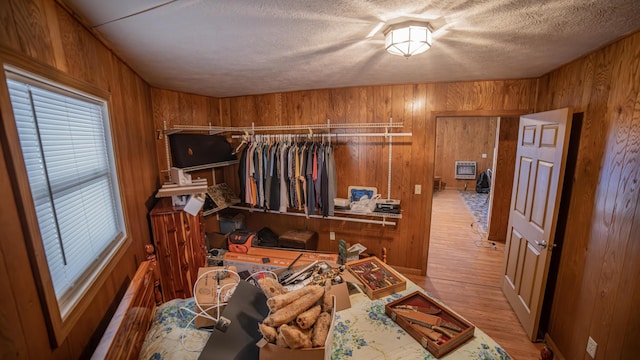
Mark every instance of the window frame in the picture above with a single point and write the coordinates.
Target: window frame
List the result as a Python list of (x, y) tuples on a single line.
[(58, 327)]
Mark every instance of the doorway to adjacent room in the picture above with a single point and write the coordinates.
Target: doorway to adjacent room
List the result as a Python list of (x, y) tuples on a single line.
[(464, 267)]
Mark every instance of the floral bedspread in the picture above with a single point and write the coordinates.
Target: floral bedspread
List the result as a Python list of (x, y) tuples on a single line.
[(365, 332), (361, 332), (172, 335)]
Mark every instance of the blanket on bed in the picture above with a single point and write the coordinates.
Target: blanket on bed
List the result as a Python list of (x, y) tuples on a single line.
[(172, 335)]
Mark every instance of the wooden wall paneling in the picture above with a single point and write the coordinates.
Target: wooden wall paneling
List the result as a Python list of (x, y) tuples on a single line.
[(455, 97), (369, 170), (45, 34), (507, 138), (52, 14), (336, 106), (353, 165), (16, 321), (620, 171), (245, 118), (570, 275), (439, 150), (567, 316), (317, 109), (362, 162), (145, 179), (8, 33), (135, 150), (148, 179), (200, 110), (421, 157), (464, 138), (12, 344), (624, 339), (589, 251), (186, 110), (619, 276), (32, 28), (165, 109)]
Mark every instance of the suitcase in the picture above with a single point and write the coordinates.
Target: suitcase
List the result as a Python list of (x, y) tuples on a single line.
[(199, 149), (299, 239)]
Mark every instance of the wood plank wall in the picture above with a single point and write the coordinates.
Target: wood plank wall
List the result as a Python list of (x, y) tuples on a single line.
[(464, 139), (598, 291), (505, 164), (597, 283), (44, 33), (363, 161), (176, 108)]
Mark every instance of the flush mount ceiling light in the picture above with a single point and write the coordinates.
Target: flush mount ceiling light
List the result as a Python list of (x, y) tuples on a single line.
[(407, 38)]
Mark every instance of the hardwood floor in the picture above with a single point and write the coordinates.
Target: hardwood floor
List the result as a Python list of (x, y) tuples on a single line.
[(465, 273)]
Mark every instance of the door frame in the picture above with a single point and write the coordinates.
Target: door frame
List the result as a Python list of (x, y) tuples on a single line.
[(431, 169)]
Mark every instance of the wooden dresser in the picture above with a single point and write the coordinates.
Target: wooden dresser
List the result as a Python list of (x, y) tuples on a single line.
[(180, 248)]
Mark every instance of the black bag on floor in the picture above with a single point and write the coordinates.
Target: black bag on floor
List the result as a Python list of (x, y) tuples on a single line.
[(483, 184), (266, 237)]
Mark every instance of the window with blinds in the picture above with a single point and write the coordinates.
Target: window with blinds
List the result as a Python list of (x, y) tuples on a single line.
[(66, 145)]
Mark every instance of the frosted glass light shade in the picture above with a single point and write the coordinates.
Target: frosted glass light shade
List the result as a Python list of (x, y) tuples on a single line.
[(408, 38)]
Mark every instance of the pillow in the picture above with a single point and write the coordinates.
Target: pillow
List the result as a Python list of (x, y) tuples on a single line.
[(172, 334)]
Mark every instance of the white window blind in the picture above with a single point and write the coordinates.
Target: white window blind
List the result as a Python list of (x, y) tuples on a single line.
[(67, 152)]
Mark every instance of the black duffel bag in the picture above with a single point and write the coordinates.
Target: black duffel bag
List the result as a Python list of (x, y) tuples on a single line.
[(266, 237), (199, 149)]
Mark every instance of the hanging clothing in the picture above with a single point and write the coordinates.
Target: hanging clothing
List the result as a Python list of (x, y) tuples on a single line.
[(242, 168), (284, 180), (318, 181), (311, 192), (278, 175), (332, 181), (324, 187), (273, 178)]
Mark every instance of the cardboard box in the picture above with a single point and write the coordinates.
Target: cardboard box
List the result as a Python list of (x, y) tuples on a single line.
[(254, 263), (210, 279), (307, 256), (269, 259), (339, 291), (419, 300), (377, 278), (273, 352)]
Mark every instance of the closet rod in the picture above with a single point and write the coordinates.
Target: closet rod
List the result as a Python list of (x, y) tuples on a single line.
[(177, 128), (366, 221), (341, 135)]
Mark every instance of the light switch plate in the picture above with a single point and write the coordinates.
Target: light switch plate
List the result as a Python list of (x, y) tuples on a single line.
[(418, 189)]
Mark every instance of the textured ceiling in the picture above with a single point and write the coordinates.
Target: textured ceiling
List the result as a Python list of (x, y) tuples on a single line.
[(240, 47)]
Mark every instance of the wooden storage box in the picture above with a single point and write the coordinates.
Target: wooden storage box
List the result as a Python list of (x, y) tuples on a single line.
[(422, 304), (299, 239), (378, 279)]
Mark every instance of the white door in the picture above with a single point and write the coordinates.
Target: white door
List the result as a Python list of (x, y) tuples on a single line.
[(543, 139)]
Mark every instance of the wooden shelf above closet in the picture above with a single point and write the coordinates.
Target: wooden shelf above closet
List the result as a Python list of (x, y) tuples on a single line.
[(209, 166), (382, 222)]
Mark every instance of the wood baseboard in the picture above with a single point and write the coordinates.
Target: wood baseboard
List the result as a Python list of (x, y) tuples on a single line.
[(406, 270), (557, 355)]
